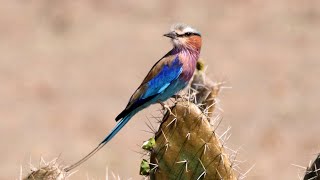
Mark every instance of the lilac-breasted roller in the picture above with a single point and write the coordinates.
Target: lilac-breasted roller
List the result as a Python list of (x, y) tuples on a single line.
[(168, 76)]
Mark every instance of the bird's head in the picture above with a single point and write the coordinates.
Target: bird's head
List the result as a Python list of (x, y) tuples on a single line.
[(184, 36)]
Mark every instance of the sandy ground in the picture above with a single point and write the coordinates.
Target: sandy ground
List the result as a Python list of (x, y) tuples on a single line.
[(67, 68)]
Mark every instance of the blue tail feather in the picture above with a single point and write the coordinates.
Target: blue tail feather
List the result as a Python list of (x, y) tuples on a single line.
[(114, 131), (118, 127)]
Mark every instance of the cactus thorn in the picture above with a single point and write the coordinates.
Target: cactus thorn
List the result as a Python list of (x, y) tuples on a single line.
[(219, 174), (164, 135), (188, 135), (165, 106), (186, 163), (173, 120), (204, 168), (167, 146), (155, 166), (206, 146), (150, 126)]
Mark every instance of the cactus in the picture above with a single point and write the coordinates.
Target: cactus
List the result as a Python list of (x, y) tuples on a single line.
[(312, 172), (47, 171), (204, 90), (186, 146)]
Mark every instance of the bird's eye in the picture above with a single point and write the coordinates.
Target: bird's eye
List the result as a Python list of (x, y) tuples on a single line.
[(188, 33)]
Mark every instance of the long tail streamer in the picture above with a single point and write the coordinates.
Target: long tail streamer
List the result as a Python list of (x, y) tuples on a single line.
[(115, 130)]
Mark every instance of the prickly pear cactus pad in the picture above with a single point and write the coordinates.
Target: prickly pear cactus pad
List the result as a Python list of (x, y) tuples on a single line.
[(187, 148)]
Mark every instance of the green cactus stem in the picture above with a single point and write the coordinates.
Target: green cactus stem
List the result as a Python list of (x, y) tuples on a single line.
[(187, 148)]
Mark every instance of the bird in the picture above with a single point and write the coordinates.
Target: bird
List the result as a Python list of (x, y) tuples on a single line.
[(166, 78)]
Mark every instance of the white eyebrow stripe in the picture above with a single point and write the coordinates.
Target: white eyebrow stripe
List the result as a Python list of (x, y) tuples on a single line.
[(189, 29), (181, 29)]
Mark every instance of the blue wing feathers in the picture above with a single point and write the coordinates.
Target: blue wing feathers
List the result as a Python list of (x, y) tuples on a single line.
[(161, 81), (157, 85)]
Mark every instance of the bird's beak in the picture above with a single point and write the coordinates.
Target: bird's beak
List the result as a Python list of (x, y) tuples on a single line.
[(171, 35)]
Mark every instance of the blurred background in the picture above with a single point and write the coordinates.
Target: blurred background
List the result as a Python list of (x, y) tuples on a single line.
[(67, 68)]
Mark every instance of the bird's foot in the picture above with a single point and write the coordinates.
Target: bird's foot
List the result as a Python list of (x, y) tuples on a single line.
[(167, 107)]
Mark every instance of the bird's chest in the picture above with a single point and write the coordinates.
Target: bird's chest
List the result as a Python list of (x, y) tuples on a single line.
[(188, 69)]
